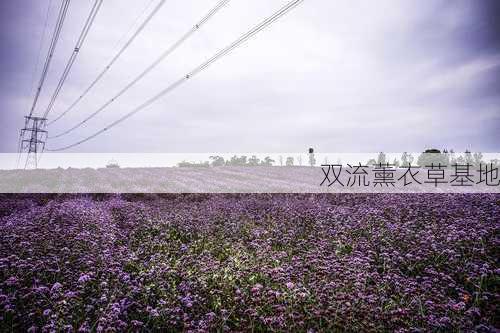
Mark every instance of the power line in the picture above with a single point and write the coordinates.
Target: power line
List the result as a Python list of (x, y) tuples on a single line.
[(259, 27), (113, 60), (132, 26), (37, 64), (40, 47), (36, 134), (72, 58), (53, 43), (166, 53)]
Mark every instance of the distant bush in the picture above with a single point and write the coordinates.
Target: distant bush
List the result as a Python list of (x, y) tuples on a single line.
[(185, 164), (432, 156)]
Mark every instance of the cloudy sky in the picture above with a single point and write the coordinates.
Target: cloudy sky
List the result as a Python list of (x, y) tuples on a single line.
[(341, 76)]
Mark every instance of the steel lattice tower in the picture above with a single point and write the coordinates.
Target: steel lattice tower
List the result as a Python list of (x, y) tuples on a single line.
[(33, 137)]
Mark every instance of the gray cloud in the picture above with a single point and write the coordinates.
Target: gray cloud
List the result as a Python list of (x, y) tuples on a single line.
[(337, 75)]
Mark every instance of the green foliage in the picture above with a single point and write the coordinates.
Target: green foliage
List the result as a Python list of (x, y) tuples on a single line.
[(267, 161), (186, 164), (406, 160), (382, 158), (432, 156), (312, 159), (237, 161), (217, 161)]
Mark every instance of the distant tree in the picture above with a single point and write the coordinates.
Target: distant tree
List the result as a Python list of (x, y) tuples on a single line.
[(231, 161), (217, 161), (460, 160), (406, 160), (289, 161), (432, 156), (185, 164), (237, 161), (447, 156), (468, 157), (453, 158), (267, 161), (478, 159), (395, 163), (312, 159), (371, 162), (325, 161), (112, 166), (382, 158), (280, 158), (253, 161), (299, 158)]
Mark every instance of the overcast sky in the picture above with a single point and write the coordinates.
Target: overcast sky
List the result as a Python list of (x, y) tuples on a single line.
[(341, 76)]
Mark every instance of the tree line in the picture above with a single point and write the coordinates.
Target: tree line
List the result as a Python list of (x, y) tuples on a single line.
[(426, 158)]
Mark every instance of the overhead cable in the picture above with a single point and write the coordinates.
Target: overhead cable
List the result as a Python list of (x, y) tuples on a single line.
[(166, 53), (74, 54), (113, 60), (252, 32)]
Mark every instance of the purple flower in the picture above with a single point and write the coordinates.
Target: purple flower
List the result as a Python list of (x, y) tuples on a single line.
[(55, 287), (70, 294), (256, 288), (11, 281), (444, 321), (152, 311), (84, 278), (458, 306), (187, 301), (385, 262)]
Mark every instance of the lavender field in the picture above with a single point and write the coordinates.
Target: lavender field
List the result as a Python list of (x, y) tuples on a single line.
[(250, 262), (226, 179)]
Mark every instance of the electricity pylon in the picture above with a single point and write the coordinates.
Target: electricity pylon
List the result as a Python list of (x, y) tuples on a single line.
[(33, 137)]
